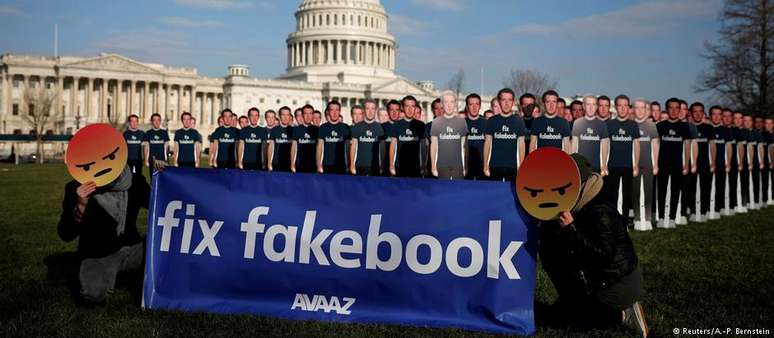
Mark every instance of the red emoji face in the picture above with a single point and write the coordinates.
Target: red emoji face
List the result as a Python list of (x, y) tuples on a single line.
[(96, 153), (548, 182)]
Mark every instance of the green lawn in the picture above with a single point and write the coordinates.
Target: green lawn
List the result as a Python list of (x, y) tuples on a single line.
[(716, 274)]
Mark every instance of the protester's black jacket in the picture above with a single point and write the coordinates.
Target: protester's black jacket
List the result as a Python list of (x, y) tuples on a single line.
[(97, 229), (590, 254)]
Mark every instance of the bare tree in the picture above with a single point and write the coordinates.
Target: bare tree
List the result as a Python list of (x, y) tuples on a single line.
[(39, 113), (741, 61), (530, 81), (457, 83)]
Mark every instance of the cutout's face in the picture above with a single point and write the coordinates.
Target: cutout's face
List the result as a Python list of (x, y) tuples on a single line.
[(548, 182), (96, 153)]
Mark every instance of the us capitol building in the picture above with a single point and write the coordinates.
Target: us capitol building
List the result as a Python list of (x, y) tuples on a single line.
[(341, 50)]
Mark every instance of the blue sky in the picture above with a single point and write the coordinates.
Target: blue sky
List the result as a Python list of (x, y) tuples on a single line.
[(648, 48)]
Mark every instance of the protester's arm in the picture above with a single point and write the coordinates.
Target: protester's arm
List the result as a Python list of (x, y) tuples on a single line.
[(214, 154), (393, 151), (750, 156), (76, 198), (655, 145), (293, 151), (604, 147), (761, 157), (176, 148), (694, 155), (197, 153), (520, 146), (686, 155), (240, 153), (636, 160), (487, 153), (434, 155), (352, 153), (532, 143), (599, 248), (713, 155), (574, 148), (466, 157), (319, 156), (145, 153), (270, 156)]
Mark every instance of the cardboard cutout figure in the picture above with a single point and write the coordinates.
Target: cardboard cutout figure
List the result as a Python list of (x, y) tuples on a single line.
[(96, 153), (548, 183)]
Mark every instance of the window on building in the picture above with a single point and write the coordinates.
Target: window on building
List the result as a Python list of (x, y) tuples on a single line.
[(262, 100), (49, 132), (16, 83), (17, 131), (295, 102), (31, 109), (278, 101), (15, 109), (33, 132)]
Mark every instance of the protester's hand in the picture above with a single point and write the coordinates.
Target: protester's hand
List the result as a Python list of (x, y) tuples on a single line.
[(84, 191), (159, 165), (353, 170), (214, 164), (565, 218)]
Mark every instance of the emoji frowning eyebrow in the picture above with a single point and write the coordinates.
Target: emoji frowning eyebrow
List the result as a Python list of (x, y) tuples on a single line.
[(111, 156), (533, 192), (564, 187), (85, 166)]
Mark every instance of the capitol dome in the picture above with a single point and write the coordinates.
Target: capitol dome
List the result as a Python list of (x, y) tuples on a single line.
[(340, 41)]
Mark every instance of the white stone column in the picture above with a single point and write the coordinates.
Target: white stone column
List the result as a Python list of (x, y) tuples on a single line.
[(191, 99), (145, 96), (120, 101), (167, 97), (87, 111), (131, 100), (345, 51), (6, 109), (358, 53), (179, 109), (73, 96), (103, 89), (303, 53), (212, 108)]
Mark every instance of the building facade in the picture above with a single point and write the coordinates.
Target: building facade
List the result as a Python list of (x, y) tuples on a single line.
[(341, 50)]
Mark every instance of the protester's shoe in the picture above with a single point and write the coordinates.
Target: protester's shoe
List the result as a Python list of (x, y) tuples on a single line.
[(634, 319)]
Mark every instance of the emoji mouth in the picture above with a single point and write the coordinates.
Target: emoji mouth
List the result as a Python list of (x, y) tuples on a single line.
[(102, 172), (548, 205)]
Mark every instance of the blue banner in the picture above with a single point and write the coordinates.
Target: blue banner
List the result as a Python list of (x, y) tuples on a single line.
[(341, 248)]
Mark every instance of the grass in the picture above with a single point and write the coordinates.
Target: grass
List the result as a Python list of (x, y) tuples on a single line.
[(715, 274)]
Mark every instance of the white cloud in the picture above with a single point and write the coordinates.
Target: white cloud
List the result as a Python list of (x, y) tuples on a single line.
[(403, 25), (650, 18), (10, 11), (449, 5), (177, 21), (214, 4)]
